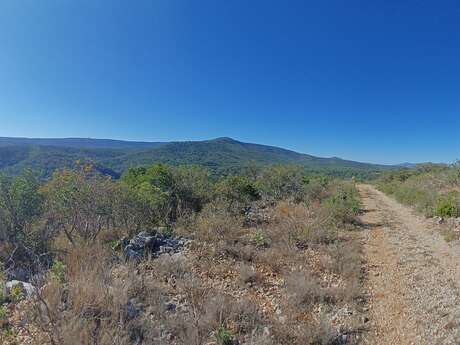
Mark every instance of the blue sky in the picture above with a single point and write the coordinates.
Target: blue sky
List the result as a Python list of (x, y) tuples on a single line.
[(375, 81)]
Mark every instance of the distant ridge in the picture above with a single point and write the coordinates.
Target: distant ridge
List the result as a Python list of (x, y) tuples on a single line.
[(222, 155), (408, 165), (80, 143)]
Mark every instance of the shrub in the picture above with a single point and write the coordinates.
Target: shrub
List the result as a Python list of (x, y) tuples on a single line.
[(17, 293), (58, 271), (248, 274), (344, 205), (168, 192), (258, 239), (236, 192), (423, 188), (304, 289), (224, 337), (447, 205), (283, 182), (79, 203), (215, 223), (450, 235), (3, 312)]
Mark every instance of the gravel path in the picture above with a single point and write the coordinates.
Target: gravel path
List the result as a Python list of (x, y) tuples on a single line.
[(413, 276)]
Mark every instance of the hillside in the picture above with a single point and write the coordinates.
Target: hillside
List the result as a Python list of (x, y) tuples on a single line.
[(80, 143), (221, 156)]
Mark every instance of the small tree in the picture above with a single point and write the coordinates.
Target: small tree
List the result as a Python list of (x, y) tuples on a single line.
[(21, 239), (168, 192), (282, 182), (20, 205), (237, 192), (80, 203)]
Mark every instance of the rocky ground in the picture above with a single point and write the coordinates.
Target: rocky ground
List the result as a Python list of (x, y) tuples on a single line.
[(410, 292), (413, 275), (242, 274)]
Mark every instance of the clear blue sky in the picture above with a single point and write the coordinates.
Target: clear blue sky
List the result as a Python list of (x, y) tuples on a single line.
[(374, 81)]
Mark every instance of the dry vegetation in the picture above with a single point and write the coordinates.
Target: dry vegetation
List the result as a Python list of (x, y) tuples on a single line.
[(433, 190), (272, 257)]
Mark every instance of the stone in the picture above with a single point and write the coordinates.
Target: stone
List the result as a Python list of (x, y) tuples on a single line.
[(266, 331), (144, 244), (171, 307), (439, 220), (457, 221), (28, 289)]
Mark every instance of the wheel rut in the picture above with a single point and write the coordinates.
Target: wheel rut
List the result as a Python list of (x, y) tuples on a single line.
[(413, 276)]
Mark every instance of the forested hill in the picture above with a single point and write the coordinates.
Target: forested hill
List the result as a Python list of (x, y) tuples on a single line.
[(221, 156), (80, 143)]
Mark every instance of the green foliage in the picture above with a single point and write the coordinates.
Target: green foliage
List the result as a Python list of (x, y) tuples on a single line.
[(222, 156), (224, 337), (17, 293), (3, 312), (454, 175), (3, 298), (236, 191), (20, 204), (59, 271), (8, 332), (259, 239), (80, 202), (344, 205), (423, 188), (168, 192), (447, 205), (282, 182)]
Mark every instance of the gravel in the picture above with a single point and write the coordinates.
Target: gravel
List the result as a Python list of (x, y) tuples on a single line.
[(413, 276)]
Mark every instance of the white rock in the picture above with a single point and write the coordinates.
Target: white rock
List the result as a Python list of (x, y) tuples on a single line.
[(27, 288)]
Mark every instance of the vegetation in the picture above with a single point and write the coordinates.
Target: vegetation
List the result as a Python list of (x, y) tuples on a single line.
[(222, 156), (271, 256), (434, 190)]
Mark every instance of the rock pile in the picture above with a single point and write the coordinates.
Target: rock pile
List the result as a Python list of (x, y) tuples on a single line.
[(145, 244), (256, 215)]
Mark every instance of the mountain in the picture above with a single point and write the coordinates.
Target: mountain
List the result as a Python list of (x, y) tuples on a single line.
[(86, 143), (221, 156), (408, 165)]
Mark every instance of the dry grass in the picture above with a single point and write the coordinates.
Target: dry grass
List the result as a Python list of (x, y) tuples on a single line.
[(277, 283)]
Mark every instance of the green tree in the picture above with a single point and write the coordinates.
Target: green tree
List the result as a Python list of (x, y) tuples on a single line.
[(168, 192), (283, 182), (80, 203), (20, 205), (236, 192)]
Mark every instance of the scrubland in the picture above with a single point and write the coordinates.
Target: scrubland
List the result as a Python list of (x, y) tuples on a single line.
[(271, 256), (432, 190)]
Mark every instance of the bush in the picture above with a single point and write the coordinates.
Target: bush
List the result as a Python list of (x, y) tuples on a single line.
[(248, 274), (447, 205), (259, 239), (17, 293), (224, 337), (169, 192), (3, 312), (58, 271), (422, 188), (79, 203), (236, 193), (283, 182), (344, 205), (215, 224), (86, 293)]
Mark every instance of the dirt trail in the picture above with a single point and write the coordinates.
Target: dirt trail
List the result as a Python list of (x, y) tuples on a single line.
[(413, 276)]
